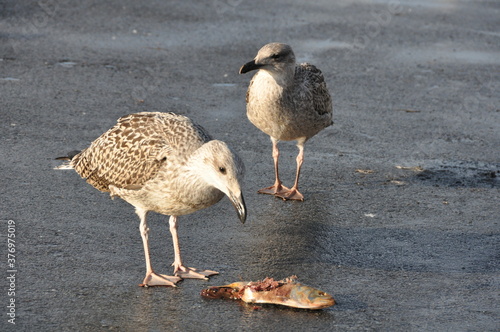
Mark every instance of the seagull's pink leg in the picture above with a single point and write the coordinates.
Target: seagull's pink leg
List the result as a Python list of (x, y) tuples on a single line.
[(276, 188), (293, 193), (152, 278), (179, 269)]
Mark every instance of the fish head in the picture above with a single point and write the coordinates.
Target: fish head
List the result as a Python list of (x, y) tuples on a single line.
[(302, 296)]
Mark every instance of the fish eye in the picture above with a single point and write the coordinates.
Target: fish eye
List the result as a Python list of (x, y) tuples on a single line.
[(222, 170)]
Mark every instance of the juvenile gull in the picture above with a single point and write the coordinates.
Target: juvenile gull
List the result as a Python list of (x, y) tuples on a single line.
[(165, 163), (287, 101)]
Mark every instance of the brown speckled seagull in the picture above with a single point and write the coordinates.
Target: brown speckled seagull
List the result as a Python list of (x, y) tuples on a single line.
[(287, 101), (163, 162)]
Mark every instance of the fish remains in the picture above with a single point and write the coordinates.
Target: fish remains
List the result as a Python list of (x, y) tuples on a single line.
[(285, 292)]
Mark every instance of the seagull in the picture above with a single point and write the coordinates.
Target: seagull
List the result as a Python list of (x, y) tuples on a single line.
[(166, 163), (287, 101)]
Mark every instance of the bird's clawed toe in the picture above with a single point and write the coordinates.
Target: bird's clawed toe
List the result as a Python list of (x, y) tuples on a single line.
[(192, 273), (292, 194), (275, 190), (154, 279), (283, 192)]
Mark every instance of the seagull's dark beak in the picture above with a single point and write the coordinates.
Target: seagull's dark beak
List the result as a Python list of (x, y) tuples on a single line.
[(239, 205), (249, 66)]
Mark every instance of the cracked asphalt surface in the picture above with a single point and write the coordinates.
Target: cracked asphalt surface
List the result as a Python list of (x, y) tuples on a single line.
[(401, 218)]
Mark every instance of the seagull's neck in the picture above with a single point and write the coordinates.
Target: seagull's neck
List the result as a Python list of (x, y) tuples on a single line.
[(196, 165), (193, 176), (193, 172), (283, 78)]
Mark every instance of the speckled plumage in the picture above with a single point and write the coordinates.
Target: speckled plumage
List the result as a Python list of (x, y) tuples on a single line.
[(287, 101), (143, 159), (132, 152), (300, 109), (162, 162)]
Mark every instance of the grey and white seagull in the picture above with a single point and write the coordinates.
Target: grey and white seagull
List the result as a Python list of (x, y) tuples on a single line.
[(163, 162), (287, 101)]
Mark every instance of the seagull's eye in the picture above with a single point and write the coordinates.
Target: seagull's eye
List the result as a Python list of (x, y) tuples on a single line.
[(276, 56), (222, 170)]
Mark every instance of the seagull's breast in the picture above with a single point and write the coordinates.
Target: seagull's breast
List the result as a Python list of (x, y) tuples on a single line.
[(264, 104), (271, 107)]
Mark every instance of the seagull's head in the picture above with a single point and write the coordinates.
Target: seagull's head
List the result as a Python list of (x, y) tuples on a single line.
[(276, 58), (223, 169)]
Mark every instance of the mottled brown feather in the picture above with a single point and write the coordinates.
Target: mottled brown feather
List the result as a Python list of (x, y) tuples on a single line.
[(313, 77), (131, 153)]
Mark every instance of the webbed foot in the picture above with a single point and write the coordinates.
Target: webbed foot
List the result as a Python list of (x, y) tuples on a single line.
[(291, 194), (154, 279), (192, 273), (275, 190)]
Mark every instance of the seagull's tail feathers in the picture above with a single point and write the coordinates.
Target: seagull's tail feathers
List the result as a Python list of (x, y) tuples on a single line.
[(67, 160)]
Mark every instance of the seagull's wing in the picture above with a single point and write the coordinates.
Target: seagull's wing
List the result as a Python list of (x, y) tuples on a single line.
[(132, 152), (314, 82)]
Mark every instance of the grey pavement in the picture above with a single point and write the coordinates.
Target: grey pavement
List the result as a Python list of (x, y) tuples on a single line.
[(401, 218)]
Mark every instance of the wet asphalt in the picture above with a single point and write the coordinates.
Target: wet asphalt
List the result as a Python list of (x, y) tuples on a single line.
[(401, 218)]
